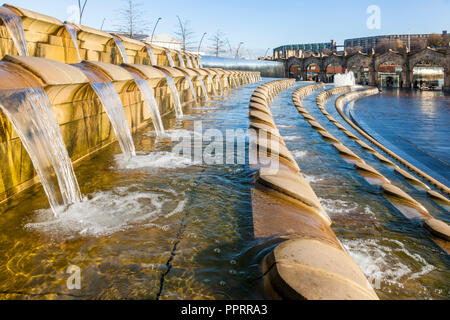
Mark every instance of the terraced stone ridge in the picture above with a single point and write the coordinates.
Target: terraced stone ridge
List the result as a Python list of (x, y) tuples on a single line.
[(309, 262), (406, 204)]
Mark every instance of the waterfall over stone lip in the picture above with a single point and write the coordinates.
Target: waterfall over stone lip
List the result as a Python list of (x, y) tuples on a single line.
[(73, 34), (175, 96), (212, 85), (151, 54), (205, 92), (32, 116), (191, 85), (122, 50), (112, 104), (15, 27), (180, 58), (189, 62), (169, 57), (150, 102)]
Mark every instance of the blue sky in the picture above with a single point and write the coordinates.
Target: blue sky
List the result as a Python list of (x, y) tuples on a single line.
[(262, 24)]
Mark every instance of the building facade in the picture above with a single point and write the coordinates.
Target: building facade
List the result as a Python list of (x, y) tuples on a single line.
[(369, 43), (296, 50)]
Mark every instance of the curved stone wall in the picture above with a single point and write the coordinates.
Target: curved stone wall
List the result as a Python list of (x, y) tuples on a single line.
[(84, 124), (308, 261), (410, 207), (357, 95)]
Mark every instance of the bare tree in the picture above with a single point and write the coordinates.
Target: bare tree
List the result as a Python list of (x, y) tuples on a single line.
[(435, 40), (327, 52), (131, 19), (81, 8), (185, 33), (418, 44), (385, 44), (218, 43), (354, 50)]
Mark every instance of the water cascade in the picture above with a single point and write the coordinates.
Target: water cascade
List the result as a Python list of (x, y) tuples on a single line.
[(212, 85), (219, 80), (191, 85), (204, 90), (233, 77), (189, 62), (169, 57), (180, 58), (150, 101), (112, 104), (73, 34), (32, 117), (122, 50), (346, 79), (175, 96), (15, 28), (152, 56)]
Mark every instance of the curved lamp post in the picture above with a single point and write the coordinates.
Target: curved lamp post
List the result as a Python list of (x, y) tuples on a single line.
[(153, 33), (200, 44), (237, 50)]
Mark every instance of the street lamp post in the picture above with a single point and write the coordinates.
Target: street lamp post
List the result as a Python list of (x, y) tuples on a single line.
[(200, 44), (153, 33), (237, 50)]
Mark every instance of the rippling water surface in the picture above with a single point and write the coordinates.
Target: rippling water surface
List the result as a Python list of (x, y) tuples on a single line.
[(396, 255), (155, 227), (162, 227), (415, 123)]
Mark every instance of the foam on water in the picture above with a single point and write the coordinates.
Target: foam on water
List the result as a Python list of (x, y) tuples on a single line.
[(284, 126), (105, 213), (312, 179), (380, 261), (174, 135), (300, 154), (290, 138), (154, 160), (338, 206)]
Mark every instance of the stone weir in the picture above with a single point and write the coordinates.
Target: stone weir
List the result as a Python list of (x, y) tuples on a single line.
[(38, 51), (306, 260), (439, 230), (406, 204)]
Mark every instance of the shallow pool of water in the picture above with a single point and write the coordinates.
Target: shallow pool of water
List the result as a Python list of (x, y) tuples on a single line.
[(163, 227), (156, 227), (398, 258)]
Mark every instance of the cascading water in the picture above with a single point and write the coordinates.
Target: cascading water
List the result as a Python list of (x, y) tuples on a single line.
[(122, 50), (180, 58), (204, 90), (175, 96), (152, 56), (191, 85), (110, 100), (212, 85), (32, 116), (219, 80), (15, 28), (169, 57), (73, 34), (233, 77), (150, 101), (346, 79), (189, 62)]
